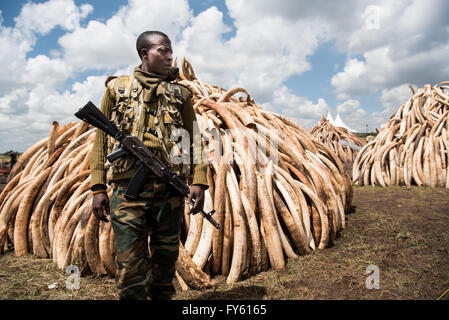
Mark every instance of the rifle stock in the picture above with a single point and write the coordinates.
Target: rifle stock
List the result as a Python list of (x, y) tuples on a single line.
[(92, 115)]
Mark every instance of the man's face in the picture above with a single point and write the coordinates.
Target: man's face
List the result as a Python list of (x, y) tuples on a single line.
[(158, 58)]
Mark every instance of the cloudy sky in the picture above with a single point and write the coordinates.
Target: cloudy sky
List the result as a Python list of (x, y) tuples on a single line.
[(298, 58)]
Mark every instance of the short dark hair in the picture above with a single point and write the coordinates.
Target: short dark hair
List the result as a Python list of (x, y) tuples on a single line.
[(144, 40)]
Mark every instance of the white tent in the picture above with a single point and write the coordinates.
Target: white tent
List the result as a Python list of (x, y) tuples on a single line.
[(329, 118), (338, 122)]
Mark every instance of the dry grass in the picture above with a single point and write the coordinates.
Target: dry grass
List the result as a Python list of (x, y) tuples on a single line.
[(29, 277), (401, 230)]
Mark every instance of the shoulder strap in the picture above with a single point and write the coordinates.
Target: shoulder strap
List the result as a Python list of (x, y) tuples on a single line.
[(186, 92), (122, 87)]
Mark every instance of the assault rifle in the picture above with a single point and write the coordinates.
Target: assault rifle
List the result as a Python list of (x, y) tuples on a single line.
[(147, 161)]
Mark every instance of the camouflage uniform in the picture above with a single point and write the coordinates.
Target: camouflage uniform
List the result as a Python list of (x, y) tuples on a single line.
[(149, 108), (157, 213)]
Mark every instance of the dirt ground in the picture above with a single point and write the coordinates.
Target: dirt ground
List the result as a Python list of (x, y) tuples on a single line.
[(403, 231)]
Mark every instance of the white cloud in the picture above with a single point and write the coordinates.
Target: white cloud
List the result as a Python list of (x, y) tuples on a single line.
[(393, 98), (261, 56), (380, 70), (297, 108), (359, 119), (12, 57), (349, 80), (31, 88), (42, 17), (12, 103), (41, 109), (18, 41), (272, 42), (410, 45), (348, 106), (111, 44), (47, 72)]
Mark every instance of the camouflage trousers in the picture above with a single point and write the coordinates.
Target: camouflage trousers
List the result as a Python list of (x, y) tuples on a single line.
[(147, 233)]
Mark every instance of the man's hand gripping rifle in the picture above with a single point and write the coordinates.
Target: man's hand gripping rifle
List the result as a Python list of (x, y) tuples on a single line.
[(147, 161)]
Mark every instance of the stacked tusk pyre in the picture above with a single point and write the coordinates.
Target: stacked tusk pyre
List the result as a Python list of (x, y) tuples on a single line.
[(412, 148), (277, 192), (333, 136)]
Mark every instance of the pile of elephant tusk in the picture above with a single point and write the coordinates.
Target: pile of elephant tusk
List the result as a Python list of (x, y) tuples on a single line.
[(330, 135), (277, 192), (412, 148)]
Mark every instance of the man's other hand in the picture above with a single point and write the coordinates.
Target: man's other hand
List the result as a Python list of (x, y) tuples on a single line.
[(100, 206), (196, 193)]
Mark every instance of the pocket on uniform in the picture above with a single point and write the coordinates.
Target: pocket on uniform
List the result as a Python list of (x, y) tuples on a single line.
[(173, 118)]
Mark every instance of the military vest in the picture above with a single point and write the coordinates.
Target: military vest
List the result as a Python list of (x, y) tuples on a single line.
[(132, 114)]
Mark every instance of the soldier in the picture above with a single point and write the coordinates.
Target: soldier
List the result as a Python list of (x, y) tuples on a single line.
[(150, 106)]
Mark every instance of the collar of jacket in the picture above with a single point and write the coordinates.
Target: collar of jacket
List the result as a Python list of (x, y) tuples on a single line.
[(150, 81)]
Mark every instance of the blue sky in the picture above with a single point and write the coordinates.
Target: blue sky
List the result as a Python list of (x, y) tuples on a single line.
[(299, 58)]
